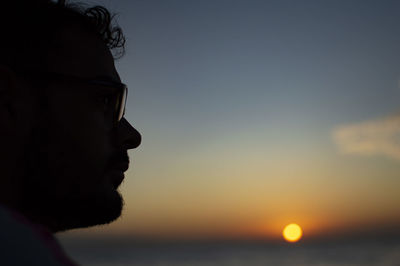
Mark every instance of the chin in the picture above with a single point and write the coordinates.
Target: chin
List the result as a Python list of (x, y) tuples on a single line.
[(88, 212), (72, 212)]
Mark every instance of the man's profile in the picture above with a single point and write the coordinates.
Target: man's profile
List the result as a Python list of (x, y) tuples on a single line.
[(64, 139)]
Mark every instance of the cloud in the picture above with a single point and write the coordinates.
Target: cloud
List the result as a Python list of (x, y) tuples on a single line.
[(374, 137)]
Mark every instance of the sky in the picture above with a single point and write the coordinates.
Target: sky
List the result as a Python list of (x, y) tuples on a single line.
[(256, 114)]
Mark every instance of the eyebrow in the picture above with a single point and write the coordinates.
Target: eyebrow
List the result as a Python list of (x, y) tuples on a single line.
[(108, 78), (109, 82)]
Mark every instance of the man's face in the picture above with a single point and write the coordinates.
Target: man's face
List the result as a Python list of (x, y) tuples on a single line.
[(75, 158)]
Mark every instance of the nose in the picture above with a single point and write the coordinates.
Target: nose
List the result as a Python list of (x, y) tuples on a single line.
[(128, 137)]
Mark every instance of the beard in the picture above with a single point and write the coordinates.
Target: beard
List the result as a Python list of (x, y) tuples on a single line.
[(56, 188)]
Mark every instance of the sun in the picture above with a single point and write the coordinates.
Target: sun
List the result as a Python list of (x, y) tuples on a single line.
[(292, 232)]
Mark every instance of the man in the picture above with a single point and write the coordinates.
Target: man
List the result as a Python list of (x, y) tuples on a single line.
[(64, 139)]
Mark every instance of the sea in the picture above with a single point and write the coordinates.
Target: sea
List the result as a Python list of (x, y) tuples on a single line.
[(232, 253)]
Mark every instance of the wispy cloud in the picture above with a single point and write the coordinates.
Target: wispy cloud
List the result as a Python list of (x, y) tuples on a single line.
[(374, 137)]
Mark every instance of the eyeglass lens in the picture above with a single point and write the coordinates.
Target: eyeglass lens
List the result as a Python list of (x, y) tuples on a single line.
[(121, 104)]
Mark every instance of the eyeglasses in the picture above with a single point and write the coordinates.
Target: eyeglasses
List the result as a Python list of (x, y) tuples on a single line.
[(121, 94)]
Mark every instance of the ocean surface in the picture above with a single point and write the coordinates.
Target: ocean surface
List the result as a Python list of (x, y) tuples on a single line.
[(125, 252)]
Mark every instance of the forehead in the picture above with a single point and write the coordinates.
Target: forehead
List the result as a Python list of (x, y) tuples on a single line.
[(78, 52)]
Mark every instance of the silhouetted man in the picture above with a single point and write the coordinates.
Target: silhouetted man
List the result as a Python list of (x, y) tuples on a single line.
[(64, 139)]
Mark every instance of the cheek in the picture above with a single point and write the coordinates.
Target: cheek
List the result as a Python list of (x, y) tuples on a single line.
[(81, 142), (86, 157), (78, 162)]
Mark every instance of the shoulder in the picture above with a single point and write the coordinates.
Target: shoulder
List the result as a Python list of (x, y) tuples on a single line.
[(24, 243)]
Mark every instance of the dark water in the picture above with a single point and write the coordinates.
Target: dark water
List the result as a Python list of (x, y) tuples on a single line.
[(118, 253)]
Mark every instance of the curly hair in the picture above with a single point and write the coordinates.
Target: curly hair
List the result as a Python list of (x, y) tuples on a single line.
[(98, 19), (102, 21), (27, 28)]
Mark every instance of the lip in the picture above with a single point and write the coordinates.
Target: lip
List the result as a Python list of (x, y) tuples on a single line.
[(116, 178), (116, 173), (120, 166)]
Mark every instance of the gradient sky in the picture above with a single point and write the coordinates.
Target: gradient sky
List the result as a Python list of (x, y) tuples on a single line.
[(256, 114)]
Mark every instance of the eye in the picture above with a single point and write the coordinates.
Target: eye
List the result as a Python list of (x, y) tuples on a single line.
[(106, 101)]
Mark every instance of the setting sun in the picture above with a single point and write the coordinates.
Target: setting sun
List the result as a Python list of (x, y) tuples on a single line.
[(292, 232)]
